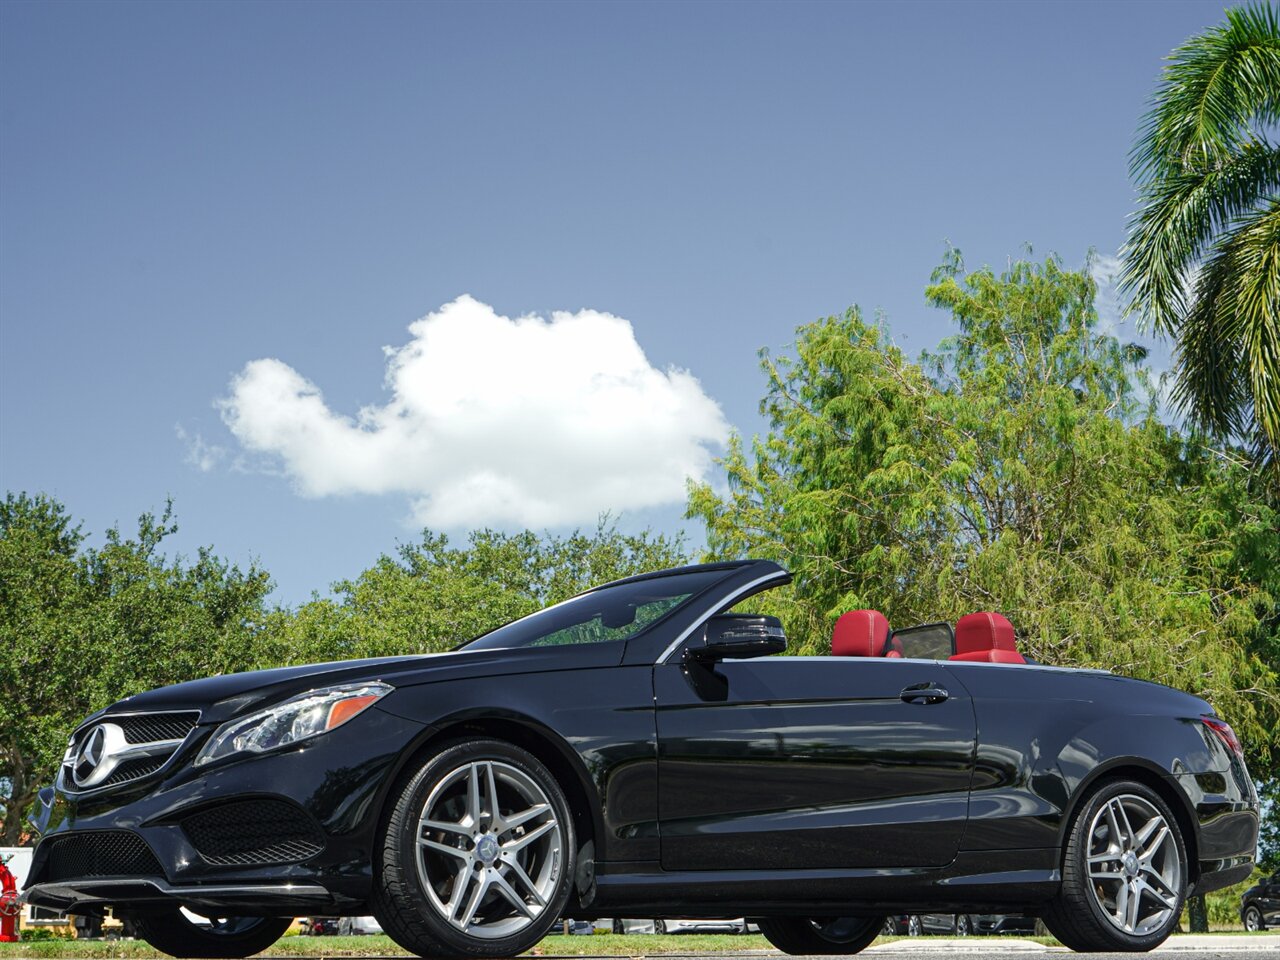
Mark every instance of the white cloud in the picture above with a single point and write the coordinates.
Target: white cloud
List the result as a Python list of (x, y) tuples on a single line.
[(201, 454), (492, 420), (1106, 274)]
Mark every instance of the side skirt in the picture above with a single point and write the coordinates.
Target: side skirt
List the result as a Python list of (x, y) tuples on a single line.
[(976, 882)]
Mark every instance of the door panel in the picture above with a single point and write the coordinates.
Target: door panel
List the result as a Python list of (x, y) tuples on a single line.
[(810, 762)]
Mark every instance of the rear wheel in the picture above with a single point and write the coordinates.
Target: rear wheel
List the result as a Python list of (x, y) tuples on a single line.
[(478, 854), (1253, 920), (915, 926), (964, 926), (1124, 873), (217, 937), (825, 935)]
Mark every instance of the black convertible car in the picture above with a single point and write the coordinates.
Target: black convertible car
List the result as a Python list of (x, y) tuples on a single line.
[(636, 751)]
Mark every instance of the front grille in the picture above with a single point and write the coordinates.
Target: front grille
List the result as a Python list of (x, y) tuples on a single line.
[(135, 770), (138, 731), (153, 727), (249, 832), (101, 853)]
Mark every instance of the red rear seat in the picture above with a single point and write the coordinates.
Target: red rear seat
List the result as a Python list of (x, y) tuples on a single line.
[(860, 633), (986, 638)]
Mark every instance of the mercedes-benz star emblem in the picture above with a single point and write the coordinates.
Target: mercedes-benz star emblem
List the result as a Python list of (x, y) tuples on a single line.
[(98, 755)]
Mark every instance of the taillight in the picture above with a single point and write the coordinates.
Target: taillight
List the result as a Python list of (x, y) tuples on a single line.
[(1225, 734)]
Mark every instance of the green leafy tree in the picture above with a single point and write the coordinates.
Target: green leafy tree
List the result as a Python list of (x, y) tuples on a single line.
[(1018, 468), (1203, 258), (432, 596), (81, 628)]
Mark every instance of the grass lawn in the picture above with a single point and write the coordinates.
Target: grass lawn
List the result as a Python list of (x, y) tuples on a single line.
[(628, 945)]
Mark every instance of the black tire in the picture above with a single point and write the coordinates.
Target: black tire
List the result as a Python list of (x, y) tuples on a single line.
[(401, 901), (964, 926), (1253, 919), (1077, 916), (826, 935), (235, 937), (890, 927), (617, 927)]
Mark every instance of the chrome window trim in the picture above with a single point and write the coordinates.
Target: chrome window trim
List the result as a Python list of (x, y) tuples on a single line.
[(723, 604)]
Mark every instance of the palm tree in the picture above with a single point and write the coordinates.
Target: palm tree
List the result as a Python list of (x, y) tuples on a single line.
[(1202, 263)]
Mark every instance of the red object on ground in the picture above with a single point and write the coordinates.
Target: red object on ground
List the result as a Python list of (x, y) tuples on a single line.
[(9, 905)]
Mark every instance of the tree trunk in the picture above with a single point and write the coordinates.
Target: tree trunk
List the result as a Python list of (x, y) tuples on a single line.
[(1198, 914)]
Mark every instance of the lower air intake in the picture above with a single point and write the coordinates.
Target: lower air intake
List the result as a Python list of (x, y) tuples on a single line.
[(252, 832), (100, 853)]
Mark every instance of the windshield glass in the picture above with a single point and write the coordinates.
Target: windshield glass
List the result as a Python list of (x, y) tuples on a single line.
[(608, 614)]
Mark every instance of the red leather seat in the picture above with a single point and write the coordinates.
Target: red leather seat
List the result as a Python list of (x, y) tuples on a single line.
[(986, 638), (860, 633)]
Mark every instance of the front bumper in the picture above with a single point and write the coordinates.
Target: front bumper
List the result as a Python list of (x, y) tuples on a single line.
[(334, 785), (274, 899)]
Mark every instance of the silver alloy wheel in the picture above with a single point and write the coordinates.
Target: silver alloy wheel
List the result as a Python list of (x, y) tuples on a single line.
[(914, 926), (1252, 920), (490, 849), (1135, 869)]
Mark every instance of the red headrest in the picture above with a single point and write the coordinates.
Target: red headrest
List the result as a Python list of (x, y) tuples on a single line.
[(990, 656), (983, 631), (860, 633)]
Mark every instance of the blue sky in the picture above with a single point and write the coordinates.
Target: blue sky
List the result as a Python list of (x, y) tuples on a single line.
[(211, 214)]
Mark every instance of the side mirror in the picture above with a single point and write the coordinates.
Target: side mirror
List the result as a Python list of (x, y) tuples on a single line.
[(739, 636)]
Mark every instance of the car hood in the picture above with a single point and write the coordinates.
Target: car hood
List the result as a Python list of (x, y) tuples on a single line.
[(228, 695)]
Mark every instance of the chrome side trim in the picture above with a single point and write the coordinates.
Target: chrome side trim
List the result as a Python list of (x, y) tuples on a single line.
[(745, 588)]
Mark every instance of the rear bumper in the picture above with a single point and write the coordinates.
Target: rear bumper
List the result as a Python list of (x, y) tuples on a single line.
[(269, 899)]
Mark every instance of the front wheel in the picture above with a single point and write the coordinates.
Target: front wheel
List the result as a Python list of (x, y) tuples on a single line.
[(964, 926), (1124, 873), (180, 935), (478, 854), (1253, 920), (818, 936), (915, 926)]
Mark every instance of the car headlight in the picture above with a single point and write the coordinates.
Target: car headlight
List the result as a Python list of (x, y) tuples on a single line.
[(300, 718)]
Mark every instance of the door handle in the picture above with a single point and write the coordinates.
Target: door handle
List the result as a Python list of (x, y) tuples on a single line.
[(924, 693)]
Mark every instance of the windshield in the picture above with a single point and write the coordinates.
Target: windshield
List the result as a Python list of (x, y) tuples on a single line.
[(601, 616)]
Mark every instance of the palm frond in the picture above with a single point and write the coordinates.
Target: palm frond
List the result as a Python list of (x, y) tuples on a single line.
[(1229, 345), (1175, 226), (1218, 89)]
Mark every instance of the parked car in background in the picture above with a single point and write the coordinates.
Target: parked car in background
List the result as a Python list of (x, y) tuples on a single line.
[(1260, 904), (704, 926), (621, 925), (997, 923), (957, 924), (311, 926), (356, 926)]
